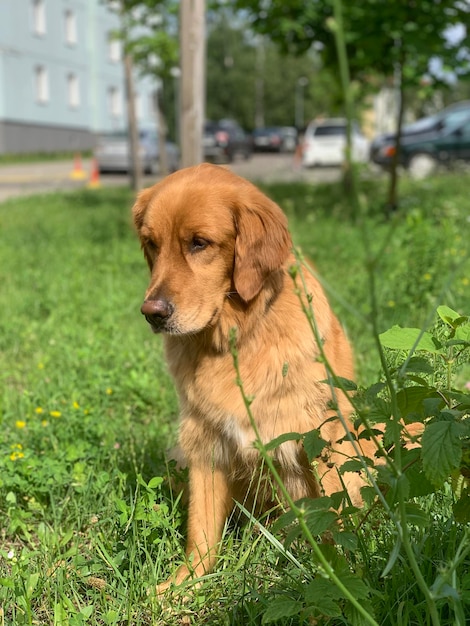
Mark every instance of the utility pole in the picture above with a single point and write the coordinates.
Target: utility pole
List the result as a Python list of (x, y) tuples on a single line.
[(193, 63)]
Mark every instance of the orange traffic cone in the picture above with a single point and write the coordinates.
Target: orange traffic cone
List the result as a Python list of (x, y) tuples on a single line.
[(78, 173), (94, 181)]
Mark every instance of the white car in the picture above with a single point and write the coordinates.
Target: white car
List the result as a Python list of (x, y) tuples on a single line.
[(325, 143)]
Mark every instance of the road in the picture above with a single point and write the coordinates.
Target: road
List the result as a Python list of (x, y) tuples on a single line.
[(32, 178)]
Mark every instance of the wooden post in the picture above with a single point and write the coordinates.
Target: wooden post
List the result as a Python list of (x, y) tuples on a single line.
[(193, 48)]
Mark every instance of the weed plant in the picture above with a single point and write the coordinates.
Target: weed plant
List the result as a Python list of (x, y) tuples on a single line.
[(87, 522)]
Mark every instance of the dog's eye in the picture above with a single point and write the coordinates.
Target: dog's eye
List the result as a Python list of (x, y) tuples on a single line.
[(151, 246), (198, 243)]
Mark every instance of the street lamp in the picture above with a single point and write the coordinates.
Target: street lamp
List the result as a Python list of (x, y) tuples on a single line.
[(302, 82)]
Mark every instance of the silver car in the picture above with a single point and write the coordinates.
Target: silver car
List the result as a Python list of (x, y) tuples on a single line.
[(112, 152)]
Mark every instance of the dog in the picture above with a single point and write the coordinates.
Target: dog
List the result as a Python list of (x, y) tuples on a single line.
[(219, 253)]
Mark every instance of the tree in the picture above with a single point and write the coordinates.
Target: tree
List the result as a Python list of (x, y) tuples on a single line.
[(383, 38), (250, 80), (149, 32)]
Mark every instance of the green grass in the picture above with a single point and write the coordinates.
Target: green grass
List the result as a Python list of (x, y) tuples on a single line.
[(40, 157), (87, 409)]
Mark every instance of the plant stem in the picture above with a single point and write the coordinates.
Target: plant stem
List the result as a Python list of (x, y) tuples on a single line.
[(299, 513)]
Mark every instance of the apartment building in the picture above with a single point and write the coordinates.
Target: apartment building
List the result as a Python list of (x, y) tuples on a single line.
[(61, 76)]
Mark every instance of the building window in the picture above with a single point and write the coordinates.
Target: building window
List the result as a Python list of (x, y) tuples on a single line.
[(70, 24), (73, 91), (139, 106), (114, 48), (41, 84), (39, 17), (114, 102)]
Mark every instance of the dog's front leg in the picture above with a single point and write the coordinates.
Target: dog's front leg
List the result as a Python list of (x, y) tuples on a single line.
[(210, 503)]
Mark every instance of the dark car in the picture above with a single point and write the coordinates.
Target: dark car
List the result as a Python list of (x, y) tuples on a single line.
[(225, 140), (440, 139), (275, 139)]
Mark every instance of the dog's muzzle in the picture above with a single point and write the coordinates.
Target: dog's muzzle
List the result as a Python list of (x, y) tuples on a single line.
[(157, 313)]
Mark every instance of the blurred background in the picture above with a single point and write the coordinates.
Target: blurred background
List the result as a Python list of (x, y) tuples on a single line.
[(130, 81)]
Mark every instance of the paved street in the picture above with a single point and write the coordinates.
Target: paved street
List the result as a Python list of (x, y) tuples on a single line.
[(31, 178)]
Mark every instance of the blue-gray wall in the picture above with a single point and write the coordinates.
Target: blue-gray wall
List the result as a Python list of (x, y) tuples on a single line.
[(28, 125)]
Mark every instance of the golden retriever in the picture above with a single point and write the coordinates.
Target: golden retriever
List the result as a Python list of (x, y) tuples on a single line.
[(219, 252)]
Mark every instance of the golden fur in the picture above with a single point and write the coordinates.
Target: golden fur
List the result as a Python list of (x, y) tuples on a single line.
[(219, 251)]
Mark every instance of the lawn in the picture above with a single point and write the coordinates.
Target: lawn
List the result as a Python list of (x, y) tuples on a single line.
[(87, 409)]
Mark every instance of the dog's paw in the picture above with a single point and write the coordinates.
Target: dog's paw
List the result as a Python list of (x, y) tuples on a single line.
[(182, 575)]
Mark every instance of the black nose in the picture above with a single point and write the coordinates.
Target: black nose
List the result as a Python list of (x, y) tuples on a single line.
[(156, 311)]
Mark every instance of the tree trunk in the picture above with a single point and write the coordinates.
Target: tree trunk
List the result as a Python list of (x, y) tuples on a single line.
[(135, 170), (162, 133)]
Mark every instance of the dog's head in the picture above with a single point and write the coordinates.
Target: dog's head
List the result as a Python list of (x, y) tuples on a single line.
[(208, 236)]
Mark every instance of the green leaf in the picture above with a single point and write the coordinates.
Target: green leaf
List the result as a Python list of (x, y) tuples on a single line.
[(313, 444), (321, 588), (392, 558), (398, 338), (281, 607), (462, 507), (275, 443), (447, 315), (155, 482), (410, 399), (416, 516), (354, 585), (441, 450), (341, 383), (319, 521), (462, 333)]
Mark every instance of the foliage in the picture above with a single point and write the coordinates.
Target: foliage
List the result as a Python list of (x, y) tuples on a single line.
[(379, 39), (250, 80), (88, 524), (379, 34)]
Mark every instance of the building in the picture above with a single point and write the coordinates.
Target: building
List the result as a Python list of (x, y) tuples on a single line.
[(62, 77)]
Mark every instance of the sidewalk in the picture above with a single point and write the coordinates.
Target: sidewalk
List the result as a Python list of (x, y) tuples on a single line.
[(29, 178)]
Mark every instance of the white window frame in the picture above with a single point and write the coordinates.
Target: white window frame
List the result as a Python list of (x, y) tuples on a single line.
[(73, 90), (41, 84), (38, 10), (114, 99), (139, 106), (70, 27), (114, 49)]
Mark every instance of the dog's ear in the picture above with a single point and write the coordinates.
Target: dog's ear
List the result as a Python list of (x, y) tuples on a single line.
[(138, 213), (262, 245), (140, 207)]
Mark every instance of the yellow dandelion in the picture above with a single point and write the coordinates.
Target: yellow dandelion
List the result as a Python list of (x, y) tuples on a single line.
[(44, 423), (427, 276), (14, 456), (391, 303), (109, 391), (16, 452), (40, 366), (55, 413), (39, 410), (76, 405), (20, 423)]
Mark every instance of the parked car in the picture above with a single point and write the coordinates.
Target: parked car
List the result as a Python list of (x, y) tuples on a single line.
[(325, 143), (225, 140), (112, 152), (275, 139), (439, 139)]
